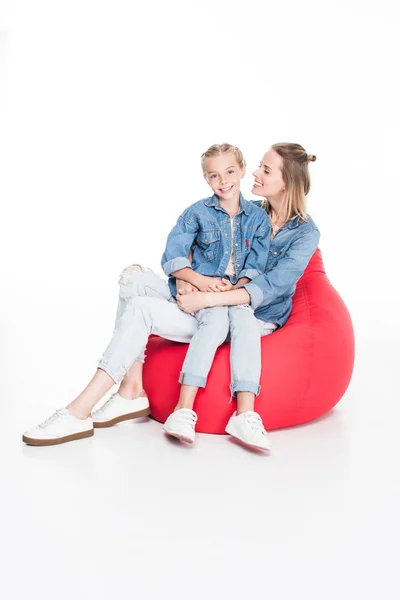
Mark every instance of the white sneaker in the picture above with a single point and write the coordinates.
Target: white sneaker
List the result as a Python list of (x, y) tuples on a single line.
[(117, 409), (59, 428), (249, 429), (181, 424)]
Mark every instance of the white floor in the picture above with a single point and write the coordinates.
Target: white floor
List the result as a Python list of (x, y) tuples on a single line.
[(130, 513)]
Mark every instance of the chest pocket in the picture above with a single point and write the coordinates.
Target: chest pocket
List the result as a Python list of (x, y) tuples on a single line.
[(274, 255), (208, 242)]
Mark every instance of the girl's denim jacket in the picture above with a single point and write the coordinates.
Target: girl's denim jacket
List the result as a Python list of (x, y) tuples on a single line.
[(205, 228), (289, 254)]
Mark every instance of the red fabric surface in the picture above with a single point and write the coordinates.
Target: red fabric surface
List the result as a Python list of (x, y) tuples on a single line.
[(306, 365)]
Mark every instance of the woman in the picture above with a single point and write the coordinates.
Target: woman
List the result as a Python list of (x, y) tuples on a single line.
[(283, 180)]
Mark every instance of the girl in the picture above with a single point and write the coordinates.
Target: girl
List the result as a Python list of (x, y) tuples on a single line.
[(230, 237)]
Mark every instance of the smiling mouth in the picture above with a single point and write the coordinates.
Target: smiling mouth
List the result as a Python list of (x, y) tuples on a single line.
[(256, 184), (227, 189)]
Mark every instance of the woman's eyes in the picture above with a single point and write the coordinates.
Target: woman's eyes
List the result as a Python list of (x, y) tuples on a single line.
[(212, 176), (231, 171)]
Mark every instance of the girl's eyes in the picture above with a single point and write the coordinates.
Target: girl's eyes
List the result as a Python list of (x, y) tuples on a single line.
[(213, 176)]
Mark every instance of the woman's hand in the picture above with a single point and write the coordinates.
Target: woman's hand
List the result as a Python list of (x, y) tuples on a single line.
[(208, 284), (184, 287), (225, 286), (192, 302)]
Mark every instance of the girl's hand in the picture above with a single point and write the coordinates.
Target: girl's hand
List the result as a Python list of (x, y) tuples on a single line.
[(184, 287), (192, 302), (225, 286)]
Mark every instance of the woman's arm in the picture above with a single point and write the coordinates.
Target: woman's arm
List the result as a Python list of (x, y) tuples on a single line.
[(194, 301), (265, 288)]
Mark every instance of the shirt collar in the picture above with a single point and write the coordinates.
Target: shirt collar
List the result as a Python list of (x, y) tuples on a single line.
[(294, 223), (214, 201)]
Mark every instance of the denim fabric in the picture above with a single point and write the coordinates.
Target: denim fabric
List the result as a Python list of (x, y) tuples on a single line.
[(205, 228), (217, 325), (146, 307), (289, 253)]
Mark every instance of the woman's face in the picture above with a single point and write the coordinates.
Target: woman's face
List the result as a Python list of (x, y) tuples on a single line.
[(268, 177)]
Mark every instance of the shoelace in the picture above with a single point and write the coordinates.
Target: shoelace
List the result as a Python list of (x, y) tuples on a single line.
[(53, 419), (254, 420), (187, 417), (108, 403)]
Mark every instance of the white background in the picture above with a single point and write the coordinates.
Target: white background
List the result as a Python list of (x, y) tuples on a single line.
[(106, 108)]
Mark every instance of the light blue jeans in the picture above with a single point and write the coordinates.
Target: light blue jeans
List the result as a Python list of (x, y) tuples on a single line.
[(146, 307)]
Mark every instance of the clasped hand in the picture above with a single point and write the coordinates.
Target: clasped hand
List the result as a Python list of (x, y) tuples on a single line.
[(191, 299)]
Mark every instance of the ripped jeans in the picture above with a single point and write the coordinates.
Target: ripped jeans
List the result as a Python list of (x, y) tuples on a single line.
[(147, 307)]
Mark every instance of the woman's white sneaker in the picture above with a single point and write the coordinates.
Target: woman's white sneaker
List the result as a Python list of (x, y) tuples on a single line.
[(249, 429), (181, 424), (117, 409), (59, 428)]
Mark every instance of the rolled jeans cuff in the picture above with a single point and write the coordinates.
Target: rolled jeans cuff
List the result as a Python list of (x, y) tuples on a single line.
[(116, 376), (190, 379), (245, 386)]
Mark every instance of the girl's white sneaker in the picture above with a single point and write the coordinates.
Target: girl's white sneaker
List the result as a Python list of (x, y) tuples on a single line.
[(117, 409), (59, 428), (181, 424), (249, 429)]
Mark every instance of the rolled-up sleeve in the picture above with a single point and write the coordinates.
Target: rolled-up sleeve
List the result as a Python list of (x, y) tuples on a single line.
[(265, 288), (256, 260), (179, 243)]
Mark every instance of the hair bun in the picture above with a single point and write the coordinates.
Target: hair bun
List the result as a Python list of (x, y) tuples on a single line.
[(311, 157)]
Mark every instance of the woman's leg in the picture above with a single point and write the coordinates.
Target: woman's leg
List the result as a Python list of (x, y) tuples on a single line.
[(137, 280), (143, 316)]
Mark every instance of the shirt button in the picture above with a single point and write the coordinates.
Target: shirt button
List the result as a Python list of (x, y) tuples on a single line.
[(275, 253), (226, 235), (235, 244), (237, 264)]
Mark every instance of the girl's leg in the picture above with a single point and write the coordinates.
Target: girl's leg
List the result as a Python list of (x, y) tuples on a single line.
[(245, 356), (245, 424), (212, 332)]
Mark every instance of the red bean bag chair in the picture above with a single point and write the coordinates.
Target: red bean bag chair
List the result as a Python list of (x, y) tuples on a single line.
[(306, 365)]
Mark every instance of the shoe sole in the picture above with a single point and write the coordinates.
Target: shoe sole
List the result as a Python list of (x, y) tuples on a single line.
[(55, 441), (248, 444), (140, 413), (179, 436)]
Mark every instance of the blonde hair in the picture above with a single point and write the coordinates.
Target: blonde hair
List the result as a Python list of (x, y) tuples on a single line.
[(217, 150), (296, 177)]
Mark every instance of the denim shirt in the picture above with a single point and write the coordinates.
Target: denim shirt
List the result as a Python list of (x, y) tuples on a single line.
[(205, 228), (289, 254)]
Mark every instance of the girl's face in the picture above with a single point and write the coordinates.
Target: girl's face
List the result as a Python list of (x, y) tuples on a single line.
[(223, 174), (268, 177)]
